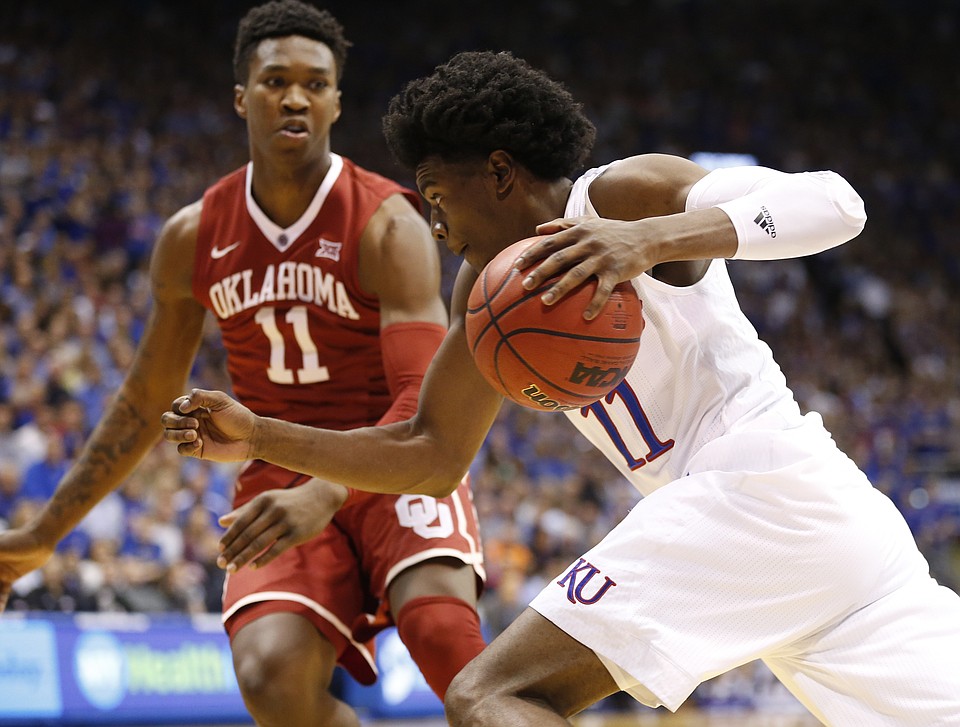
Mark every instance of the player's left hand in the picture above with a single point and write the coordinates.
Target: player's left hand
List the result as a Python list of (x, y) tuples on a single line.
[(20, 552), (577, 249), (276, 520)]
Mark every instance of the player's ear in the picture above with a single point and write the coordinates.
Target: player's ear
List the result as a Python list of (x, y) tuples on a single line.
[(240, 100), (502, 169), (336, 114)]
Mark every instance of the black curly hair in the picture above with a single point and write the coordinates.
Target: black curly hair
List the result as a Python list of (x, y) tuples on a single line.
[(280, 18), (481, 101)]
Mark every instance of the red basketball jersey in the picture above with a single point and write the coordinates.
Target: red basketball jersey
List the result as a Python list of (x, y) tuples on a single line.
[(302, 338)]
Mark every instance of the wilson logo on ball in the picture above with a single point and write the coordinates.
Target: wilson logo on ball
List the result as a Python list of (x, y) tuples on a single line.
[(549, 358), (540, 400)]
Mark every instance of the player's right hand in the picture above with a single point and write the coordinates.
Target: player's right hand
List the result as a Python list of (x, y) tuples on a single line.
[(276, 520), (20, 552), (210, 425), (577, 249)]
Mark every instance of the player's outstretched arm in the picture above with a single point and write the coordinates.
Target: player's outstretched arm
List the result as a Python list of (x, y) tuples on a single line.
[(128, 429), (427, 454)]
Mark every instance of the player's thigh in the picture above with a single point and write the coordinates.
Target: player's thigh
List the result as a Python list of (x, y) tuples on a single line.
[(320, 582), (533, 659), (394, 534), (436, 577)]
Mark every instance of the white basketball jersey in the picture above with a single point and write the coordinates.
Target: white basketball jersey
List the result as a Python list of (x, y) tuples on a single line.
[(702, 373)]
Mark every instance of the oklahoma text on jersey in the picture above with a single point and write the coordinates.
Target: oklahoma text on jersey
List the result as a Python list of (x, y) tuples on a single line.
[(288, 281)]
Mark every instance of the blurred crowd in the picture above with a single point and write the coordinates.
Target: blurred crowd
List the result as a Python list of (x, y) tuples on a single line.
[(115, 114)]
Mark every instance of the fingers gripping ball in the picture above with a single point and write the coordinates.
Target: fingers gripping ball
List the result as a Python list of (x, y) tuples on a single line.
[(544, 357)]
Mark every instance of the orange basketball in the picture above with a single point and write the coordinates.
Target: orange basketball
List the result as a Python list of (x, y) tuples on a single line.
[(548, 357)]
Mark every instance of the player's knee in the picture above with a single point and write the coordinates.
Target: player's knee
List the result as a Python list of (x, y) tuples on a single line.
[(275, 673), (263, 675), (466, 701), (480, 697)]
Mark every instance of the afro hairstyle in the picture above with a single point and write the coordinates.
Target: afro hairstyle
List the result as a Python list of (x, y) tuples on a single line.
[(481, 101)]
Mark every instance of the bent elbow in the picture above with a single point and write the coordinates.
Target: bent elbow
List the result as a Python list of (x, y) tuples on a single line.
[(846, 201), (444, 483), (444, 490)]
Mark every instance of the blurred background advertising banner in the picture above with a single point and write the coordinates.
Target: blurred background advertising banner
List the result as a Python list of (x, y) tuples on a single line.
[(130, 668), (116, 669)]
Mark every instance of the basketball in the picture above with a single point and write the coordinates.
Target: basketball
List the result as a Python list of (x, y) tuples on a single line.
[(548, 357)]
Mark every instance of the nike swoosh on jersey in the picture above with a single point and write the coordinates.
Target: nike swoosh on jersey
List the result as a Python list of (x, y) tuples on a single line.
[(217, 252)]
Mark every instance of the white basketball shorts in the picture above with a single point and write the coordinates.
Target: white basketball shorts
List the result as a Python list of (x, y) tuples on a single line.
[(803, 565)]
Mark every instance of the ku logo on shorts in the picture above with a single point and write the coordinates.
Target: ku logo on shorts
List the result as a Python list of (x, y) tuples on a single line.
[(578, 578)]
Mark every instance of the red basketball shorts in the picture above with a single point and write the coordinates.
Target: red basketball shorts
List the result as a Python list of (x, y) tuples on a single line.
[(339, 579)]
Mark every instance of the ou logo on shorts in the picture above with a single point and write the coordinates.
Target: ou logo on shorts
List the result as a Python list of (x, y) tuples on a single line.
[(425, 516)]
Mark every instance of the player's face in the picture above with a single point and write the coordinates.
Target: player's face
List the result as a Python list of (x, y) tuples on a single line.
[(291, 98), (466, 212)]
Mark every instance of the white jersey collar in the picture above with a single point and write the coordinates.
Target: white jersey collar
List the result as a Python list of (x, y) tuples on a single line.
[(280, 237)]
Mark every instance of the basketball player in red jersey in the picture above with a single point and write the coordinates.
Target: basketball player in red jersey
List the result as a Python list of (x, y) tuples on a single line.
[(324, 280)]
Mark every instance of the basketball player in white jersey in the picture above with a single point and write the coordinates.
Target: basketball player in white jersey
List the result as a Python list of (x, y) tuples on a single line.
[(756, 537)]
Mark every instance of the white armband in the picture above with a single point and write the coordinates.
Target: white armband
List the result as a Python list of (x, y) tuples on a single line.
[(779, 215)]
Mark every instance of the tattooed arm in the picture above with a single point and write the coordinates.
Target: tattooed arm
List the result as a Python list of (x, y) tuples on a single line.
[(129, 427)]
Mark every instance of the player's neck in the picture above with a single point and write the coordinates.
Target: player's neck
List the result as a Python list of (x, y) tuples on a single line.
[(284, 191), (547, 200)]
